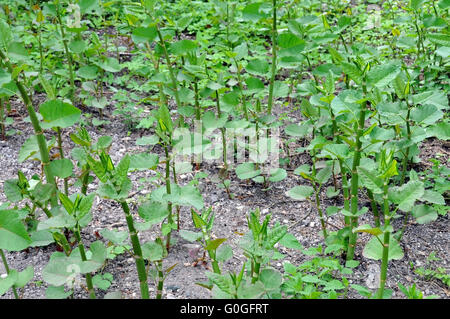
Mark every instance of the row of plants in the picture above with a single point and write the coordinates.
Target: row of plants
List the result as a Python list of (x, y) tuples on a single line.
[(203, 85)]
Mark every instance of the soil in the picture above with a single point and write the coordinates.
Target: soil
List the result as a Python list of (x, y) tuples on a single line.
[(230, 222)]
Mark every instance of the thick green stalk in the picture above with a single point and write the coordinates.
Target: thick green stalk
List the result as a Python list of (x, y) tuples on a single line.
[(223, 131), (211, 252), (354, 183), (42, 143), (373, 204), (386, 239), (140, 264), (160, 287), (83, 258), (274, 57), (197, 104), (168, 191), (406, 155), (5, 263), (68, 55), (322, 221), (61, 154), (2, 123), (169, 66)]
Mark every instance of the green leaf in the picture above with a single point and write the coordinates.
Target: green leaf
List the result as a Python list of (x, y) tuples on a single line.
[(62, 167), (183, 47), (370, 180), (185, 196), (5, 34), (152, 251), (384, 74), (439, 38), (433, 197), (114, 236), (63, 220), (271, 278), (277, 175), (13, 235), (426, 114), (153, 212), (53, 292), (297, 130), (258, 67), (224, 252), (8, 282), (300, 192), (190, 235), (246, 171), (110, 65), (142, 34), (374, 249), (24, 277), (4, 77), (368, 229), (352, 71), (41, 238), (406, 195), (12, 190), (424, 214), (59, 114), (77, 46), (147, 140), (88, 72), (143, 161), (215, 243)]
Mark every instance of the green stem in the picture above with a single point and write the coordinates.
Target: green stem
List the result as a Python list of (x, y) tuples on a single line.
[(2, 123), (223, 131), (68, 55), (169, 66), (373, 204), (83, 258), (274, 57), (406, 155), (140, 264), (61, 154), (5, 263), (322, 221), (168, 191), (160, 287), (42, 143), (354, 183), (386, 239)]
